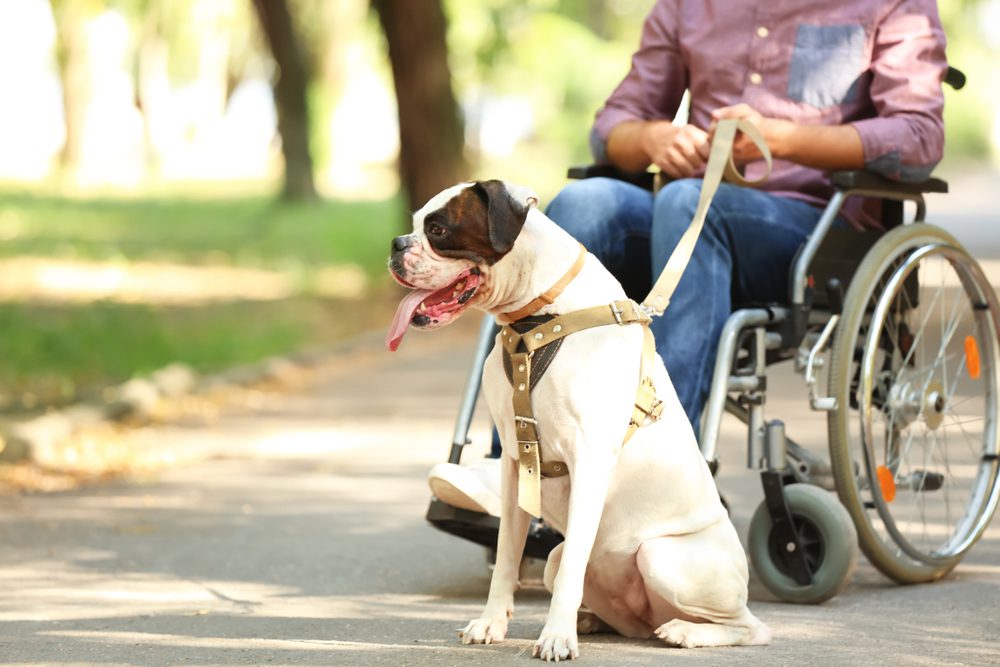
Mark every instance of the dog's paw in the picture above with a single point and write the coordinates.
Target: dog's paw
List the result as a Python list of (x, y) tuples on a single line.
[(556, 646), (484, 631), (675, 633), (692, 635)]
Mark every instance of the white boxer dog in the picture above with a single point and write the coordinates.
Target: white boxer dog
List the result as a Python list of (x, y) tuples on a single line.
[(649, 548)]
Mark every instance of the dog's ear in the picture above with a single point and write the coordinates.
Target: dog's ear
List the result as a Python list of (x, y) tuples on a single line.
[(505, 215)]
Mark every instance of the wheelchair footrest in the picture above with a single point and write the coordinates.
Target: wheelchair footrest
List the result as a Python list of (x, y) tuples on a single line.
[(483, 529)]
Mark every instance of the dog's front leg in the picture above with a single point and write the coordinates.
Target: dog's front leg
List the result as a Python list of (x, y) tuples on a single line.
[(589, 480), (514, 523)]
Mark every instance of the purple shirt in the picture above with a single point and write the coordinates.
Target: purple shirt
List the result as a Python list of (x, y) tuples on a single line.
[(877, 65)]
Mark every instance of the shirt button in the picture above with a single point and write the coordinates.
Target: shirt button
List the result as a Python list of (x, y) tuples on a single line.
[(755, 78), (762, 32)]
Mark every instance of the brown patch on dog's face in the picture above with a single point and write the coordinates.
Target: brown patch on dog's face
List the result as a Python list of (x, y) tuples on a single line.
[(479, 224)]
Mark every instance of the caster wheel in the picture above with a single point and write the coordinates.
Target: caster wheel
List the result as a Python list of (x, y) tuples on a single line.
[(827, 536)]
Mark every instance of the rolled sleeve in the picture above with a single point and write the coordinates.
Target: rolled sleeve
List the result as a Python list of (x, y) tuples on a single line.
[(906, 140), (655, 83)]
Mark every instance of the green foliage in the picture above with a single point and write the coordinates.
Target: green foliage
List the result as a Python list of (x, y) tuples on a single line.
[(50, 354), (546, 54), (255, 232), (54, 353), (969, 113)]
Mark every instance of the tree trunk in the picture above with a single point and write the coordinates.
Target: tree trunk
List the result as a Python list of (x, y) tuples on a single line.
[(73, 74), (431, 133), (289, 97)]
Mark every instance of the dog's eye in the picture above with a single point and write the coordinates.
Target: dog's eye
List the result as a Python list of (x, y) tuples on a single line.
[(434, 229)]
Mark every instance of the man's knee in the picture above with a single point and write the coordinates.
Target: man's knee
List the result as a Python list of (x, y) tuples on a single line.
[(678, 200), (582, 204)]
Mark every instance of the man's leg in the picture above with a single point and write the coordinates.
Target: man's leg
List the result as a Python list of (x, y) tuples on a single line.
[(612, 220), (745, 250)]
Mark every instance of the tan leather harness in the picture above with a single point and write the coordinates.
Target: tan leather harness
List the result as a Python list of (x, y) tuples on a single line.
[(519, 347)]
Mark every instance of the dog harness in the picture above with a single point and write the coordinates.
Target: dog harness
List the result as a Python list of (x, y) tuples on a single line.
[(523, 337), (519, 350)]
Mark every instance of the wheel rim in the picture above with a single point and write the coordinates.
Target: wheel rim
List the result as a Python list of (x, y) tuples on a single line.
[(927, 395), (810, 539)]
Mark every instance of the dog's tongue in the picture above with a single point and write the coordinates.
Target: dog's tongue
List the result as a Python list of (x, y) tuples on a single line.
[(404, 313)]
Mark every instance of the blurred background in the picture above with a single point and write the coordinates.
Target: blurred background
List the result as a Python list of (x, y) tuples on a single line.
[(216, 181)]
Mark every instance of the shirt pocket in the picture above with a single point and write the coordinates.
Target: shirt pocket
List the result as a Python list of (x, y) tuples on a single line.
[(827, 64)]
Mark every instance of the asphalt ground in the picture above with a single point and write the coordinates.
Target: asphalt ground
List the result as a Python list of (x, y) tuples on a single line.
[(301, 541)]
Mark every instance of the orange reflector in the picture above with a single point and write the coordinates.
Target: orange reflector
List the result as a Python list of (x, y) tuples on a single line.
[(886, 483), (972, 357)]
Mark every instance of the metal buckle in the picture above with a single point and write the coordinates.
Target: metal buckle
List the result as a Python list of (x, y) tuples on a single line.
[(617, 312), (520, 421)]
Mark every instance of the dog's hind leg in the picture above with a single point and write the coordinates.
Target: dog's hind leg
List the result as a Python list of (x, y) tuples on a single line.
[(700, 577), (491, 626)]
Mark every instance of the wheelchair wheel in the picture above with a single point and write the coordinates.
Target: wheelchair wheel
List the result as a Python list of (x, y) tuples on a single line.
[(913, 440), (827, 536)]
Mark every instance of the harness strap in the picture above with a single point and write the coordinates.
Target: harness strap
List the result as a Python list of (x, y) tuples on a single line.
[(646, 402), (542, 357), (520, 347)]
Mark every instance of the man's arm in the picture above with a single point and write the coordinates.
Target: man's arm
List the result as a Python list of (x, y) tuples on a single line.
[(828, 147), (680, 151), (905, 141), (650, 93)]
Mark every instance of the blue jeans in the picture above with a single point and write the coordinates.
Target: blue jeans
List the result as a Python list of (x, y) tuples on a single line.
[(743, 256)]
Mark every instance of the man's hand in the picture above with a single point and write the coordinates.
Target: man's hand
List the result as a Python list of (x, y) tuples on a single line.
[(829, 147), (775, 132), (680, 151)]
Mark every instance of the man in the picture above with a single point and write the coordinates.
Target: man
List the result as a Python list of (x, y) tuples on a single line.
[(831, 84)]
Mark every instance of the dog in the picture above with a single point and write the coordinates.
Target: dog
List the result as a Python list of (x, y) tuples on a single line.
[(649, 548)]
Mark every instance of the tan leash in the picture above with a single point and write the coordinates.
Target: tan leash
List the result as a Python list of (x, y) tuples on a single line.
[(521, 346), (720, 166)]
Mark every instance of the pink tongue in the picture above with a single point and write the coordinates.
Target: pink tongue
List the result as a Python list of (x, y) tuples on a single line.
[(404, 313)]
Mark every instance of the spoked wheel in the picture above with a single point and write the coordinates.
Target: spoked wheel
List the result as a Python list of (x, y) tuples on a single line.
[(828, 542), (913, 441)]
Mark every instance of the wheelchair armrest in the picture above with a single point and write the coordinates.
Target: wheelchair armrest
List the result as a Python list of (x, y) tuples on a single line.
[(643, 179), (867, 180)]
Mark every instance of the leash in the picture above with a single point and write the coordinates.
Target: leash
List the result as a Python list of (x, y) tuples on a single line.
[(519, 347), (720, 166)]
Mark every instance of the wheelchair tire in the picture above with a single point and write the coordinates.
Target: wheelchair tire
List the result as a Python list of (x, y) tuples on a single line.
[(828, 538), (913, 368)]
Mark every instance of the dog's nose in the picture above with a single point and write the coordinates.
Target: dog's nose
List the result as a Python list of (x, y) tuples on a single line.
[(401, 243)]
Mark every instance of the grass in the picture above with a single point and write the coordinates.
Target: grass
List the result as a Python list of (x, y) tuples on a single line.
[(56, 353), (253, 232)]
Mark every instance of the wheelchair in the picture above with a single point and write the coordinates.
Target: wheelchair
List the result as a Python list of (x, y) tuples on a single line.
[(908, 327)]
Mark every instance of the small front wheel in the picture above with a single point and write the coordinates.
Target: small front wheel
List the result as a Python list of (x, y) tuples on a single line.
[(825, 532)]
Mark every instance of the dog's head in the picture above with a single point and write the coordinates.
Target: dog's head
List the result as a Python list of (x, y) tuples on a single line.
[(458, 236)]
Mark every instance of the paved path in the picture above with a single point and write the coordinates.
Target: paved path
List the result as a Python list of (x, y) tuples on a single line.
[(302, 542)]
